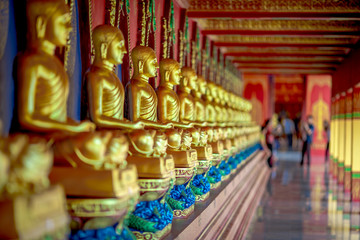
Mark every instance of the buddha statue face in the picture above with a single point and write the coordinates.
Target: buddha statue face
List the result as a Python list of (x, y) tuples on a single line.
[(220, 93), (170, 71), (232, 100), (189, 78), (144, 61), (109, 44), (4, 170), (226, 97), (212, 90), (208, 93), (49, 21), (202, 85)]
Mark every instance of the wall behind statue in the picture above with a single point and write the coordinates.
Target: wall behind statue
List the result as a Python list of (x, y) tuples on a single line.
[(347, 74), (257, 91), (317, 104)]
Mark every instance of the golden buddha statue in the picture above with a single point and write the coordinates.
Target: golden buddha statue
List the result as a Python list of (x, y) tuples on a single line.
[(203, 149), (105, 91), (169, 112), (179, 138), (210, 112), (141, 98), (43, 91), (43, 85)]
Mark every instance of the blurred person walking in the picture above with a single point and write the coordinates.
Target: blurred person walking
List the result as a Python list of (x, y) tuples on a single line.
[(267, 140), (327, 137), (289, 130), (307, 132)]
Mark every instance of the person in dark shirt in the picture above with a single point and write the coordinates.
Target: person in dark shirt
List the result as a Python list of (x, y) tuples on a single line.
[(307, 130), (267, 140), (327, 137)]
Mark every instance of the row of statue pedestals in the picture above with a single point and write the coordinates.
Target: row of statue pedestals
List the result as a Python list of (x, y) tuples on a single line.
[(108, 176)]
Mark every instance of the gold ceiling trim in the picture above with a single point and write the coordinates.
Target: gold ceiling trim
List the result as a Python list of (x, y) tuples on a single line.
[(278, 25), (285, 70), (280, 39), (285, 65), (284, 48), (321, 6), (283, 51), (286, 59)]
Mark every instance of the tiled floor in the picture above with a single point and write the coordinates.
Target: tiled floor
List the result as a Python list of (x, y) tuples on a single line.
[(294, 205)]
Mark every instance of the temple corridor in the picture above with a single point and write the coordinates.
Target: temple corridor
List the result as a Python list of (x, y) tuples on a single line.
[(179, 119), (294, 204)]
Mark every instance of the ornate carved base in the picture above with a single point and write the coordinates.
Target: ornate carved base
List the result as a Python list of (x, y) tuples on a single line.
[(153, 189), (98, 213), (183, 213), (185, 163), (114, 183), (204, 158), (218, 151), (201, 198), (153, 167), (184, 175), (152, 236), (28, 217)]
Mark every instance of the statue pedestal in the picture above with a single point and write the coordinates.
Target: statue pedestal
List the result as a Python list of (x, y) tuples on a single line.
[(185, 167), (185, 163), (115, 183), (205, 156), (97, 199), (155, 175), (93, 213), (35, 216), (218, 151)]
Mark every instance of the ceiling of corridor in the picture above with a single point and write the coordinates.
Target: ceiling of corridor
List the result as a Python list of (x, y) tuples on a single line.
[(280, 36)]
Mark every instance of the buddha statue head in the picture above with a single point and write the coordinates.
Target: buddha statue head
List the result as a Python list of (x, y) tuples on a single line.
[(49, 23), (144, 61), (170, 72), (188, 81), (226, 97), (202, 85), (220, 94), (196, 91), (210, 91), (117, 151), (109, 44), (4, 170), (232, 98)]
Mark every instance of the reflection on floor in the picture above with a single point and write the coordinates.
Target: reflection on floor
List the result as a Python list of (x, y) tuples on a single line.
[(295, 203)]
